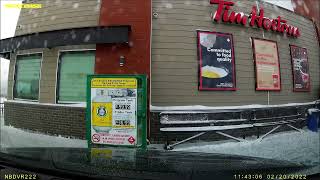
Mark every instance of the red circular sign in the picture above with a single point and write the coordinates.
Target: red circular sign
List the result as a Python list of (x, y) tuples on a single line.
[(96, 138)]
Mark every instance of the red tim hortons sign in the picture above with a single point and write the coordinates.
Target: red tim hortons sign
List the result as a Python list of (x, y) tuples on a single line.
[(224, 12)]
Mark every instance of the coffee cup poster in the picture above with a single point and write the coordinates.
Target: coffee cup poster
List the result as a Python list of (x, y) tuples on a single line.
[(267, 65), (300, 68), (114, 111), (216, 61)]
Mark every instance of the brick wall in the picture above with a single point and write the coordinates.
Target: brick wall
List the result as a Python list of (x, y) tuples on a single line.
[(159, 137), (54, 120), (70, 121)]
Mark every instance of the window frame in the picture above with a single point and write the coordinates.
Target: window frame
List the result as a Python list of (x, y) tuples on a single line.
[(57, 101), (15, 75)]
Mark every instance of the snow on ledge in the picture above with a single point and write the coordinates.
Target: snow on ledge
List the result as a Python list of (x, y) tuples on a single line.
[(83, 105), (201, 109), (180, 109)]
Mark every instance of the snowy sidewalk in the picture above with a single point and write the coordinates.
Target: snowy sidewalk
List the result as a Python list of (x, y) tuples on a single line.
[(291, 146), (17, 138)]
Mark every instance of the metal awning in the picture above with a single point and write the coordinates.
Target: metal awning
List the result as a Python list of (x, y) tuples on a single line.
[(65, 37)]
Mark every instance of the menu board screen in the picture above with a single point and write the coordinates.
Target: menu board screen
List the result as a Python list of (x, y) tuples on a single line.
[(300, 68), (216, 61), (267, 65)]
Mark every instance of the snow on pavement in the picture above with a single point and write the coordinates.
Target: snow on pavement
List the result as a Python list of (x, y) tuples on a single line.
[(291, 146), (17, 138)]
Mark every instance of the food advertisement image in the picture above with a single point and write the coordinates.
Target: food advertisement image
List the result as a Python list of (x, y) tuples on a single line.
[(114, 111), (300, 68), (216, 61), (266, 65)]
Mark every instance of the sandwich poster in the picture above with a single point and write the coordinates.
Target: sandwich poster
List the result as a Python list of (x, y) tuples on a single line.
[(216, 61), (267, 65), (300, 68)]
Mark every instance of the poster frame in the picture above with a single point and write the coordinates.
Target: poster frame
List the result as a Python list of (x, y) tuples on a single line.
[(255, 65), (293, 74), (199, 54)]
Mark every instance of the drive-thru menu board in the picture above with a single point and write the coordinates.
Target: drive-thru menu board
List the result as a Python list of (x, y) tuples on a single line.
[(267, 65), (300, 68), (113, 104), (216, 61)]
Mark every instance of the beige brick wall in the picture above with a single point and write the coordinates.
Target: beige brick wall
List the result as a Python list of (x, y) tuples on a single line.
[(48, 76), (174, 79), (56, 15), (57, 120)]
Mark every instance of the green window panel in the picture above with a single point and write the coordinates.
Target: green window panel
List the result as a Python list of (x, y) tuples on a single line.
[(74, 68), (27, 76)]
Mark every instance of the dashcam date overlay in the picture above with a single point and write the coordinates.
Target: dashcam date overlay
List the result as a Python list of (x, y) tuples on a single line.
[(270, 176)]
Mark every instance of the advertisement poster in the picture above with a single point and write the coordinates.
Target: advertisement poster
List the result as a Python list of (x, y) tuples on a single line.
[(300, 68), (114, 111), (266, 65), (216, 61)]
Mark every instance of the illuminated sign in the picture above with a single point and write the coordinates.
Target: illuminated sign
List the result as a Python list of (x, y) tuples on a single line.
[(277, 25)]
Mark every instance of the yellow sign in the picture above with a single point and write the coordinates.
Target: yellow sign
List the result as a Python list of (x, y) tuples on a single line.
[(102, 114), (114, 83), (24, 6)]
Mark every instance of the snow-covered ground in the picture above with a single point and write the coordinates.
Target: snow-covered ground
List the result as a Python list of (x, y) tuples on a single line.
[(293, 146), (290, 146), (13, 137)]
